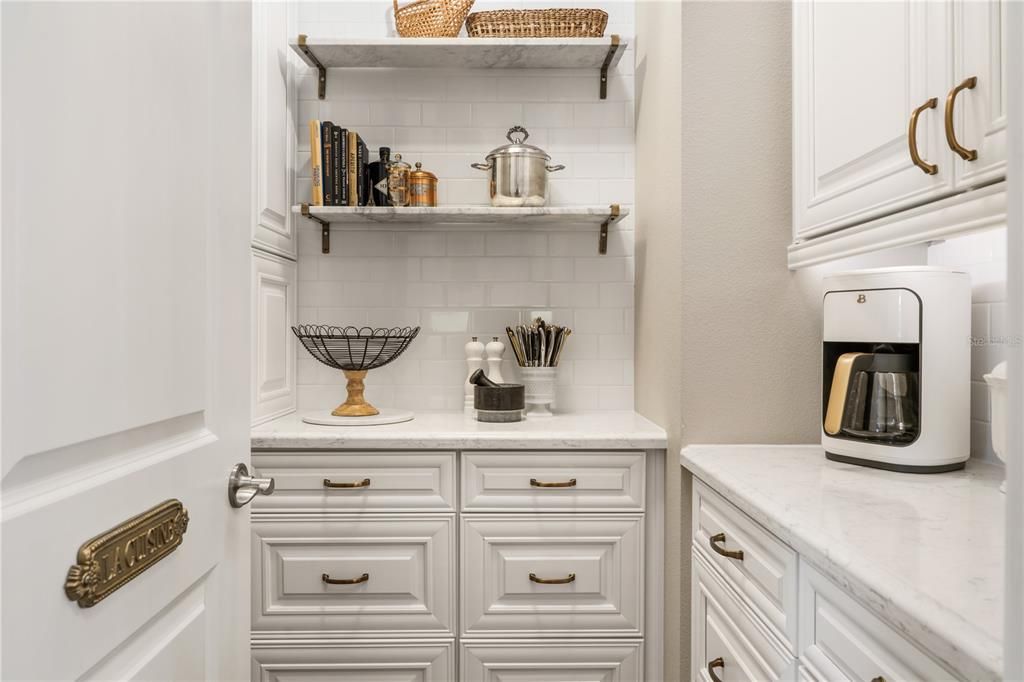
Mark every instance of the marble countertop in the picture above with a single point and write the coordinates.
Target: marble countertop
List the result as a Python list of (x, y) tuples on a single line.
[(456, 431), (924, 551)]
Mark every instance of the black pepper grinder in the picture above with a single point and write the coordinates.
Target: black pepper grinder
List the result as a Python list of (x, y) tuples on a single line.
[(378, 176)]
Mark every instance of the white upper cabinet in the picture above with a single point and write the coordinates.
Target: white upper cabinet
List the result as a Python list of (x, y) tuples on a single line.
[(860, 71), (273, 143), (882, 134), (979, 112)]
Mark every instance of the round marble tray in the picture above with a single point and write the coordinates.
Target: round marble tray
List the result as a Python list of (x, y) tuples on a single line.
[(386, 416)]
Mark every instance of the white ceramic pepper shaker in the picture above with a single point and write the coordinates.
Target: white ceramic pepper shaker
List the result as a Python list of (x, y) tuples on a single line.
[(475, 361), (495, 350)]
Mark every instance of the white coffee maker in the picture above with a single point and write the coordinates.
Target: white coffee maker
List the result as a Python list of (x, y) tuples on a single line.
[(896, 361)]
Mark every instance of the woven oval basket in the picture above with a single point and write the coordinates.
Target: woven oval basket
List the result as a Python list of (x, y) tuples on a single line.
[(537, 23), (431, 18)]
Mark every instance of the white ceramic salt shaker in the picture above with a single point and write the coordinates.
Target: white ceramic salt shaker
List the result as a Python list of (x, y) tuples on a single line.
[(475, 361), (495, 350)]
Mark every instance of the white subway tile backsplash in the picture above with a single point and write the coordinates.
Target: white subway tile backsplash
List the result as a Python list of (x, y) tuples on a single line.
[(600, 114), (464, 280), (447, 114), (500, 114), (396, 113), (516, 244), (574, 295), (472, 89), (547, 115), (517, 294), (465, 243)]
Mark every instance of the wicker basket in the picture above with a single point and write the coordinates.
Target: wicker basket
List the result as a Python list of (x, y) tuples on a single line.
[(537, 23), (431, 18)]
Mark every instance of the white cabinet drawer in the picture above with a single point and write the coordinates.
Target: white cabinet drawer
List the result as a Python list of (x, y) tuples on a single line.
[(358, 481), (767, 573), (356, 662), (597, 561), (842, 640), (553, 481), (728, 639), (566, 661), (404, 570)]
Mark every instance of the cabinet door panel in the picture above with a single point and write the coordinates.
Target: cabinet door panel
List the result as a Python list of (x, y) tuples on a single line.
[(565, 661), (399, 571), (273, 138), (979, 115), (552, 575), (859, 70), (273, 357), (356, 662), (727, 637)]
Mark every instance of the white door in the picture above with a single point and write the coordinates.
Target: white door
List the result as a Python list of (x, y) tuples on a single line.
[(126, 224), (979, 108), (859, 71)]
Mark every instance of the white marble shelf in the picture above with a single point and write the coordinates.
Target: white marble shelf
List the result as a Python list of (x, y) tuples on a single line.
[(456, 431), (547, 215), (924, 551), (466, 53)]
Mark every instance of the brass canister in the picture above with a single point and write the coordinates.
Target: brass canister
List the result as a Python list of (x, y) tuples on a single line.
[(422, 187)]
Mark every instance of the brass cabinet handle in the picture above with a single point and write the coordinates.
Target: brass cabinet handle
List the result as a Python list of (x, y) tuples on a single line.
[(571, 483), (345, 581), (365, 483), (720, 537), (571, 578), (717, 663), (965, 153), (928, 168), (878, 679)]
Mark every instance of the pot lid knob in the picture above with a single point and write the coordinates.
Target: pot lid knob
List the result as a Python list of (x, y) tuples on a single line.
[(517, 130)]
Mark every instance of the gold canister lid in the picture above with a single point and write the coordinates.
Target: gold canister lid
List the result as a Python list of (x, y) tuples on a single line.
[(421, 174)]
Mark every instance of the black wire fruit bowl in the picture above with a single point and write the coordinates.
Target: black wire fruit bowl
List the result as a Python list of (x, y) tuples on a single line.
[(355, 351)]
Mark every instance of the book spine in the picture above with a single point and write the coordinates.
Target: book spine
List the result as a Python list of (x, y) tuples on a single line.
[(344, 167), (336, 172), (327, 160), (316, 168), (364, 186), (353, 168)]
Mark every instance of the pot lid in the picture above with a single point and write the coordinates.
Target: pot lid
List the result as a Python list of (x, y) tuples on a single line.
[(420, 173), (517, 136)]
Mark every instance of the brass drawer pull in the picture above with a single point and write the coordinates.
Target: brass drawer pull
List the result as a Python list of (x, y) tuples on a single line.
[(965, 153), (717, 663), (720, 537), (928, 168), (571, 578), (365, 483), (571, 483), (345, 581)]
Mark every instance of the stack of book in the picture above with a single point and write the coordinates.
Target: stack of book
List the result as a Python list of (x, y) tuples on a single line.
[(338, 158)]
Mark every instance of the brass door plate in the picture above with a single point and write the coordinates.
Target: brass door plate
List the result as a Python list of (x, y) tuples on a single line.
[(108, 561)]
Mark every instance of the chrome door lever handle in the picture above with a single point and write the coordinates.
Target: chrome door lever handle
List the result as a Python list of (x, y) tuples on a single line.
[(242, 487)]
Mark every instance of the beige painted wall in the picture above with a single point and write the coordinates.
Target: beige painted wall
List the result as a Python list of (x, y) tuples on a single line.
[(658, 361), (728, 339), (724, 330)]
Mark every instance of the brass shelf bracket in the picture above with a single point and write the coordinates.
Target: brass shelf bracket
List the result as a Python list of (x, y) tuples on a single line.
[(612, 49), (321, 86), (325, 229), (613, 217)]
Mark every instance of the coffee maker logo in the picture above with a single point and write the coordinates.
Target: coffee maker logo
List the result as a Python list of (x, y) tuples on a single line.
[(861, 298)]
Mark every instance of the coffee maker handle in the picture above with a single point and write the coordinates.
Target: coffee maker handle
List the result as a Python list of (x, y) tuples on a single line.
[(837, 394)]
